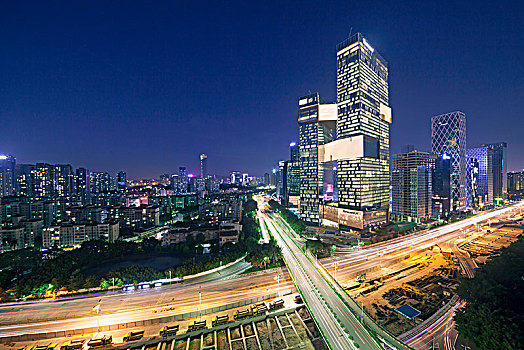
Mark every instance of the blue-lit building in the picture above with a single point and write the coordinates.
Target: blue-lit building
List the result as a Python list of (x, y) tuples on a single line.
[(441, 186), (480, 177), (487, 174), (7, 175), (121, 181)]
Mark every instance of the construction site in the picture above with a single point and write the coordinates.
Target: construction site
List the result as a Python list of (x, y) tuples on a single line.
[(406, 292)]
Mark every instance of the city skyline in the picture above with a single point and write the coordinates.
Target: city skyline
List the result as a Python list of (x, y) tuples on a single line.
[(139, 127)]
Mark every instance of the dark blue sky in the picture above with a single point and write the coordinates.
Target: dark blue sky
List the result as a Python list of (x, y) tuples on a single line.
[(146, 87)]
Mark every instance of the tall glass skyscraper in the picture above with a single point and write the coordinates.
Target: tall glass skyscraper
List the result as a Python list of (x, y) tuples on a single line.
[(203, 166), (363, 122), (316, 122), (479, 176), (499, 169), (411, 183), (448, 136), (344, 147)]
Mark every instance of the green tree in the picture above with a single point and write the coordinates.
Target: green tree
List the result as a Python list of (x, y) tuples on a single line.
[(493, 317)]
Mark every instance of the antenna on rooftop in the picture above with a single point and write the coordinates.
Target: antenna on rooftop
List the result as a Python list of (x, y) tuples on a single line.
[(350, 31)]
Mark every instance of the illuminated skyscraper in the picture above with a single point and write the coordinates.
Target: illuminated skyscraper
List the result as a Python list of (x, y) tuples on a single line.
[(83, 185), (7, 175), (203, 166), (121, 180), (316, 122), (64, 179), (361, 149), (499, 169), (43, 180), (291, 177), (448, 136), (479, 174), (411, 182)]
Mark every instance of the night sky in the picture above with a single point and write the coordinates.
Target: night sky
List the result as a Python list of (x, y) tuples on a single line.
[(146, 87)]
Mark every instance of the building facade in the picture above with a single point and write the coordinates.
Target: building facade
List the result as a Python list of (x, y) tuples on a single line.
[(316, 124), (64, 236), (515, 182), (479, 176), (499, 169), (411, 182), (448, 136), (203, 166)]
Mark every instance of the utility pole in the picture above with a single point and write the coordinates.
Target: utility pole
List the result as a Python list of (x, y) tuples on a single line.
[(200, 302)]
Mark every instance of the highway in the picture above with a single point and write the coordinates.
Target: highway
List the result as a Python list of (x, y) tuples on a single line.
[(126, 307), (323, 303), (133, 306), (412, 242)]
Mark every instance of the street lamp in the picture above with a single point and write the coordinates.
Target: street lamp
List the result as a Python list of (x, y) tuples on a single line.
[(277, 278), (335, 264)]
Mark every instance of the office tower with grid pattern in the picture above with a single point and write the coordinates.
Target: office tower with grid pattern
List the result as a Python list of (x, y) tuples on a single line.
[(499, 169), (364, 116), (448, 136), (479, 168), (411, 185), (316, 124)]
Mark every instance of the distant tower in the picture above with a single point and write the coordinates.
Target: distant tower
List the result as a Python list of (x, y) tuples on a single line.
[(448, 136), (203, 165), (83, 185), (7, 175), (121, 180)]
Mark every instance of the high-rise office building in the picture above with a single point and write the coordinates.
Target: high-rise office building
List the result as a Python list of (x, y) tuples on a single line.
[(441, 186), (292, 177), (448, 136), (516, 182), (121, 181), (411, 183), (361, 148), (479, 165), (316, 124), (267, 180), (7, 175), (83, 185), (203, 166), (499, 170), (235, 177), (182, 181), (487, 174)]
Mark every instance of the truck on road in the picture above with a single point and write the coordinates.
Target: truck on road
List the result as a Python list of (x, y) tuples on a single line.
[(196, 325), (217, 320), (135, 335), (275, 304), (167, 331)]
